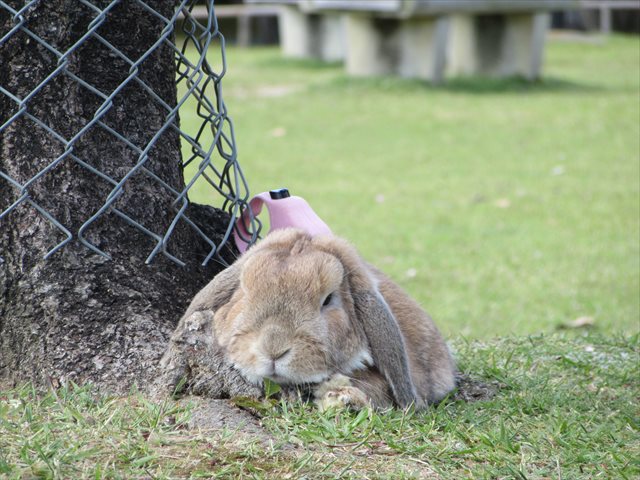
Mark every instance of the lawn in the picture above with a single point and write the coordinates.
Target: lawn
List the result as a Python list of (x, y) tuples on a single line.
[(503, 207), (565, 409), (507, 209)]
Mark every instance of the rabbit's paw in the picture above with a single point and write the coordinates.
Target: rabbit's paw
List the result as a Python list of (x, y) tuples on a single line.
[(339, 393)]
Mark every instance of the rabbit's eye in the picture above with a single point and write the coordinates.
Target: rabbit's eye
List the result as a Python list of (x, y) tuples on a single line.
[(327, 300)]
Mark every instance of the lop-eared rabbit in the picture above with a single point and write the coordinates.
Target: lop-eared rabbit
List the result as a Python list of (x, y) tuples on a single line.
[(303, 310)]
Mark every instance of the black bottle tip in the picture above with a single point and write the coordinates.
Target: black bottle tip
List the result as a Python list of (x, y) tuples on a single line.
[(279, 193)]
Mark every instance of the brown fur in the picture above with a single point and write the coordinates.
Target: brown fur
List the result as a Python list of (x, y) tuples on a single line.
[(270, 318)]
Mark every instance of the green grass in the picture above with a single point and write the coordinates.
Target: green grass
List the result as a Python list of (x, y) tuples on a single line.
[(567, 408), (502, 206)]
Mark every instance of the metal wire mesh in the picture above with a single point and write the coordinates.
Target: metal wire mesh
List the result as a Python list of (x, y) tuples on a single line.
[(211, 143)]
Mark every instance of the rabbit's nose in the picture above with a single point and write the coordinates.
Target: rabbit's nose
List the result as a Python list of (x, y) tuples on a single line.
[(277, 356)]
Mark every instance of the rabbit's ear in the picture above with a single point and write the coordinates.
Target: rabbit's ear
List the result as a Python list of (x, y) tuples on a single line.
[(375, 318), (218, 291), (387, 344)]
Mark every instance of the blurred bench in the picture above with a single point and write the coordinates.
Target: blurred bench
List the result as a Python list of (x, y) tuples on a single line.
[(604, 7), (423, 39), (243, 13)]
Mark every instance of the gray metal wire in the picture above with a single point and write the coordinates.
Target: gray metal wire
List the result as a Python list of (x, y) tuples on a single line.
[(216, 158)]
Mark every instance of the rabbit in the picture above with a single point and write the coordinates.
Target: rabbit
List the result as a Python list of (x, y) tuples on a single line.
[(303, 310)]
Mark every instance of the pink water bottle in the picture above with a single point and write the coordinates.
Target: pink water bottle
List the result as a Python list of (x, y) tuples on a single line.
[(285, 211)]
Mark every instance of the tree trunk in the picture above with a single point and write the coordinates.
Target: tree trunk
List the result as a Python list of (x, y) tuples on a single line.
[(77, 315)]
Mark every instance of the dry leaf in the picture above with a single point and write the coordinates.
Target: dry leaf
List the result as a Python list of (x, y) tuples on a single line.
[(580, 322), (503, 203), (278, 132)]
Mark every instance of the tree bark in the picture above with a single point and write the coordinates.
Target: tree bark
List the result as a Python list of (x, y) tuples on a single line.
[(78, 316)]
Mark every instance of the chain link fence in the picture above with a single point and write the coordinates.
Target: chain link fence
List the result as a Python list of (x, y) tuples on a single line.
[(208, 145)]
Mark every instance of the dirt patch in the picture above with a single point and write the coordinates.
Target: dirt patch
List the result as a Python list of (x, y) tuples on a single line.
[(216, 415), (475, 390)]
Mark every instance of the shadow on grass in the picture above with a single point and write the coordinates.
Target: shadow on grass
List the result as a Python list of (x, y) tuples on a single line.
[(278, 62), (479, 85), (471, 85)]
